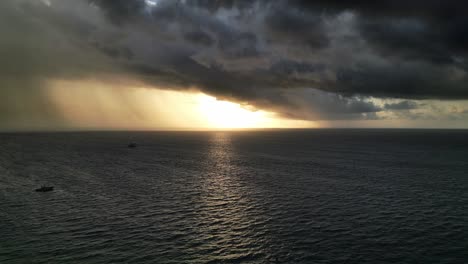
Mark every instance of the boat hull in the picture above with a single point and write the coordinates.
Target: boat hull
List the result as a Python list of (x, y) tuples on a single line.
[(45, 189)]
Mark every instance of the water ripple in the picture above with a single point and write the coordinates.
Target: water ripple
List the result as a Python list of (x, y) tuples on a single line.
[(235, 197)]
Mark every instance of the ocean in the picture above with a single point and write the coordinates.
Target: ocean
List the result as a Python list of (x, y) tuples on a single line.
[(269, 196)]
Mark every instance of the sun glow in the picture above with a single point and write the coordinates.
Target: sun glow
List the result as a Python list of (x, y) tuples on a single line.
[(223, 114), (91, 104)]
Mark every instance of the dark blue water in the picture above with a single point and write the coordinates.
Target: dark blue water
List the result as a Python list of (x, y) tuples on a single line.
[(294, 196)]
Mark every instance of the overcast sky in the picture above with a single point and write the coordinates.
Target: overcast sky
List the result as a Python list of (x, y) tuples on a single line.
[(368, 62)]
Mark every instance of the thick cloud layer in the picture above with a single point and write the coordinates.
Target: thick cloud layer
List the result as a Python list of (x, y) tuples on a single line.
[(303, 59)]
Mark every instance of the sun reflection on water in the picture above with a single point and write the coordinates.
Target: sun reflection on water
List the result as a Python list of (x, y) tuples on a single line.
[(231, 211)]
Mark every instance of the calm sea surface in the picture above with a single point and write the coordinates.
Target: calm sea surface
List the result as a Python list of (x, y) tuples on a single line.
[(293, 196)]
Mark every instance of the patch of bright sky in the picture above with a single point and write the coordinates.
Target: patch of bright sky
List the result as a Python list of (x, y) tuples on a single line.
[(99, 105)]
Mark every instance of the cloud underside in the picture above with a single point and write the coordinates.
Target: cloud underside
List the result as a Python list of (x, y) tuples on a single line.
[(303, 59)]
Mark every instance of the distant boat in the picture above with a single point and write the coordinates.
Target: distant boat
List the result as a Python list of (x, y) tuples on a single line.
[(45, 189), (132, 145)]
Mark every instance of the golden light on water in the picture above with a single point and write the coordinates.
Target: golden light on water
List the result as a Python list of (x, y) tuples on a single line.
[(98, 105)]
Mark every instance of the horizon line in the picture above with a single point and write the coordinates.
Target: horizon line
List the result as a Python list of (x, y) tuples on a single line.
[(88, 130)]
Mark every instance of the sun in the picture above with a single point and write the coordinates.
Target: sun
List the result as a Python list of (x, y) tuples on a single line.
[(227, 115)]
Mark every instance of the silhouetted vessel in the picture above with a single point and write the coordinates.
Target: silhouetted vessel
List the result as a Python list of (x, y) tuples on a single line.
[(45, 189), (132, 145)]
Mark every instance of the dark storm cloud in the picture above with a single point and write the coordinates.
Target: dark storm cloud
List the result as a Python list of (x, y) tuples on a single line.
[(403, 105), (437, 42), (288, 67), (409, 80), (296, 27), (120, 10), (214, 5), (422, 44), (199, 37), (238, 45), (319, 105), (269, 54), (433, 31), (429, 9)]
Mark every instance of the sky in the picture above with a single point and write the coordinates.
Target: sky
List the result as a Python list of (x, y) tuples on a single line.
[(217, 64)]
